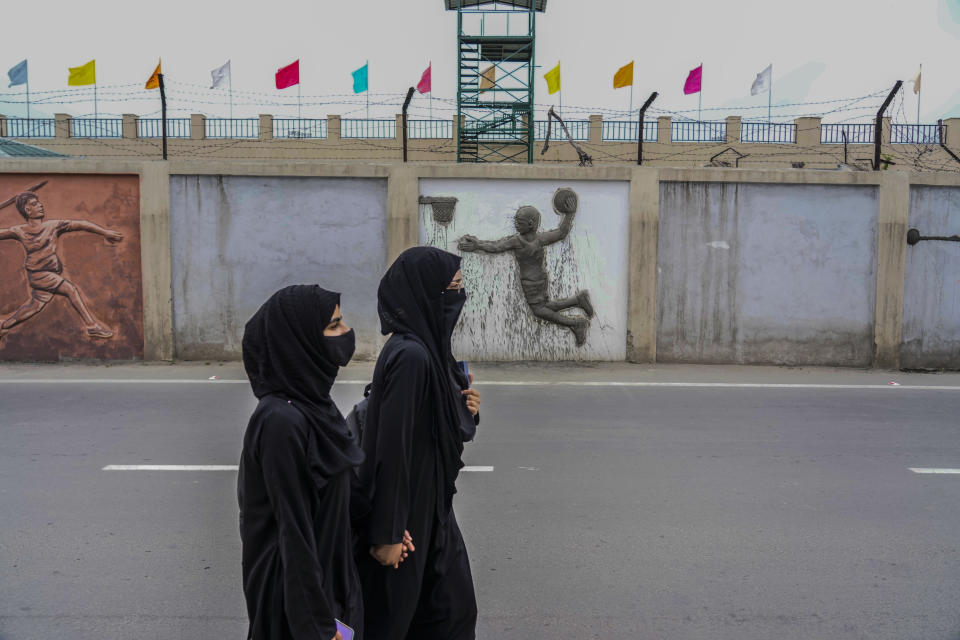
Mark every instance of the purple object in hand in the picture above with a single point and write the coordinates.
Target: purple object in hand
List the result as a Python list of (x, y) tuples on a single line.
[(344, 630)]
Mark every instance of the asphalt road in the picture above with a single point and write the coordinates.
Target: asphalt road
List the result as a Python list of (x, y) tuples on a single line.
[(618, 507)]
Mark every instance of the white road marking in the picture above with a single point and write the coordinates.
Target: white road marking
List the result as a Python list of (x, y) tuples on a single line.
[(943, 471), (170, 467), (522, 383), (208, 467)]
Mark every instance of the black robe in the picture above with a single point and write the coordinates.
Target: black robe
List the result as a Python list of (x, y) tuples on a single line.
[(295, 475), (298, 570), (416, 424)]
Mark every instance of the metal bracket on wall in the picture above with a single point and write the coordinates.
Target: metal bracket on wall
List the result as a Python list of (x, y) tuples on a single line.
[(913, 237)]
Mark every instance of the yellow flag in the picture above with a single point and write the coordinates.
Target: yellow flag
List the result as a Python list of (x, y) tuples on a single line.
[(82, 75), (154, 81), (623, 77), (488, 78), (553, 79)]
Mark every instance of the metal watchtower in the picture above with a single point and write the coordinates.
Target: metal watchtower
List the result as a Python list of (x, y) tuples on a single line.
[(495, 48)]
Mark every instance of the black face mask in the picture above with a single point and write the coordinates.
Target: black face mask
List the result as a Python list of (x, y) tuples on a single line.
[(453, 301), (340, 348)]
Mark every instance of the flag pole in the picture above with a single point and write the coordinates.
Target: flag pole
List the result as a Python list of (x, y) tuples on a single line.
[(231, 94), (368, 89), (95, 114), (700, 96), (299, 116), (28, 100), (631, 97)]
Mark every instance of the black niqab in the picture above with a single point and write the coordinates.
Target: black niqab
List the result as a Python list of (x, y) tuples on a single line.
[(283, 353), (411, 300)]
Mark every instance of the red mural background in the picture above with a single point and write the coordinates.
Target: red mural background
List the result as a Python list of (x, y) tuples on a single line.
[(107, 274)]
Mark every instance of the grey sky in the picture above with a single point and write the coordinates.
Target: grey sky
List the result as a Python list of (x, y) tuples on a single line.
[(821, 50)]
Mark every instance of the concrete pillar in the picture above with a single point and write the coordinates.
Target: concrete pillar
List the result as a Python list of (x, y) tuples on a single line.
[(886, 131), (266, 126), (733, 129), (398, 133), (130, 126), (198, 126), (893, 217), (664, 135), (333, 127), (642, 277), (3, 126), (596, 129), (62, 125), (953, 133), (155, 261), (403, 222), (808, 132)]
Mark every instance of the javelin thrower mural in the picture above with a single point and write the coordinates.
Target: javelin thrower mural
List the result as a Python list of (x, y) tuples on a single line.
[(527, 246), (39, 237)]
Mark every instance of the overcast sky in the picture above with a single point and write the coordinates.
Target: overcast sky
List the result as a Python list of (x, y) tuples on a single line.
[(821, 50)]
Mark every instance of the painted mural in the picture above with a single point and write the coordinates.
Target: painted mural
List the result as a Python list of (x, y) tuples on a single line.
[(539, 287), (70, 277)]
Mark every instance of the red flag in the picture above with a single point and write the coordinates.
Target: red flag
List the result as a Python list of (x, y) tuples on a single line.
[(692, 85), (424, 85), (289, 75)]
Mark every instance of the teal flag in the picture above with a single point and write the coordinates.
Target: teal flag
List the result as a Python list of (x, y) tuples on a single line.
[(360, 79)]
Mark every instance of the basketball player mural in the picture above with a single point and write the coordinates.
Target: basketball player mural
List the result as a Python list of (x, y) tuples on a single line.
[(527, 247), (39, 238)]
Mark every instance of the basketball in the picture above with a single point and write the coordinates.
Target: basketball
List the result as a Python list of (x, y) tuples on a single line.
[(565, 201)]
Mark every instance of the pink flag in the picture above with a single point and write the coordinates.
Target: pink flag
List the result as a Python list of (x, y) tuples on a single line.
[(692, 85), (289, 75), (424, 85)]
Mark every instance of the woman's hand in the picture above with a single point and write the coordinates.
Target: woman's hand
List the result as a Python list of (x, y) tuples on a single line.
[(338, 636), (472, 396), (391, 555)]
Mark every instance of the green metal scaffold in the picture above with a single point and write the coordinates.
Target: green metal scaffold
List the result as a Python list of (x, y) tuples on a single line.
[(495, 84)]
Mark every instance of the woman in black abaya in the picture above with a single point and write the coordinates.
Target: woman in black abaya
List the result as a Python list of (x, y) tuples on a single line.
[(295, 469), (421, 411)]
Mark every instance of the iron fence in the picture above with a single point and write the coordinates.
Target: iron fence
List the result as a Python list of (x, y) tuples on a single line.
[(859, 133), (32, 128), (579, 130), (299, 128), (354, 128), (916, 134), (96, 128), (768, 132), (430, 129), (626, 131), (232, 128), (153, 127), (691, 131)]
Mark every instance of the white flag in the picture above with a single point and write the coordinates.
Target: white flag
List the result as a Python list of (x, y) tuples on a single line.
[(762, 83), (220, 75), (916, 84)]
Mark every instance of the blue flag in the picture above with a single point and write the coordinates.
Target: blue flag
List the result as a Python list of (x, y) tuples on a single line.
[(360, 79), (18, 75)]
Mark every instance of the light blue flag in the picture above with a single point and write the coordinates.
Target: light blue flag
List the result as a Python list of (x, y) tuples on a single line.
[(18, 75), (360, 79)]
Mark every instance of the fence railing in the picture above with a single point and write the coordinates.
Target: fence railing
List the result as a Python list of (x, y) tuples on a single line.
[(232, 128), (153, 127), (689, 131), (768, 132), (856, 133), (32, 128), (430, 129), (354, 128), (299, 128), (916, 134), (626, 131), (579, 129), (96, 128)]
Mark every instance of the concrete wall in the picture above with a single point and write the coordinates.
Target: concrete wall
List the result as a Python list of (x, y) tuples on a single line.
[(802, 244), (931, 304), (767, 273), (497, 323), (237, 239), (86, 302)]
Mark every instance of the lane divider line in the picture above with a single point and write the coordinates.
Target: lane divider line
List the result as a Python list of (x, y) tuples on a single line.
[(938, 471), (215, 467)]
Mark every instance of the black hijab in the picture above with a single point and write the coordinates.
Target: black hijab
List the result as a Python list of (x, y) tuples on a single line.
[(284, 354), (412, 299)]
